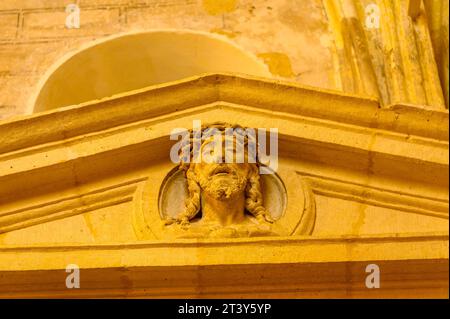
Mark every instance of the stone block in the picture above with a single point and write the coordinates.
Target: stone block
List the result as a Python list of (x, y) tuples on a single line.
[(8, 25), (52, 24)]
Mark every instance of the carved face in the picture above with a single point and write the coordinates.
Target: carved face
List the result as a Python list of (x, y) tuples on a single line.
[(221, 180)]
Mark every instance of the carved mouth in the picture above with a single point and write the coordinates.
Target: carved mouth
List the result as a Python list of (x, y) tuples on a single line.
[(221, 170)]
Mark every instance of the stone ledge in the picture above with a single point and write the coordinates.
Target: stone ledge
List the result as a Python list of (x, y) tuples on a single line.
[(301, 249), (411, 266)]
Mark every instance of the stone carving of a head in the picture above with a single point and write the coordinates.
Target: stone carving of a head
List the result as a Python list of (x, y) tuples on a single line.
[(221, 187)]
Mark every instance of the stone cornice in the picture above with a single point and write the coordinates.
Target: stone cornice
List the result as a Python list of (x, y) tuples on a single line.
[(274, 96), (408, 263), (185, 251), (341, 129)]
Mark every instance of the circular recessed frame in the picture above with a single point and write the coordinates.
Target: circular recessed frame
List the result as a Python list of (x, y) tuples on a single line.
[(286, 196)]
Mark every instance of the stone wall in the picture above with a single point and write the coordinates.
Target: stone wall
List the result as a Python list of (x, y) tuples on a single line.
[(33, 35)]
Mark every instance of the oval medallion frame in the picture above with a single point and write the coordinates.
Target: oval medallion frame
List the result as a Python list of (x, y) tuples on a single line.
[(289, 200)]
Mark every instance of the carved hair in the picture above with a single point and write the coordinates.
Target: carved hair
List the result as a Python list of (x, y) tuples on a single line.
[(193, 201), (254, 197)]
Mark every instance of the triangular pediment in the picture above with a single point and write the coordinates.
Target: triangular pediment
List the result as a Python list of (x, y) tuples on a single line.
[(92, 185), (110, 157)]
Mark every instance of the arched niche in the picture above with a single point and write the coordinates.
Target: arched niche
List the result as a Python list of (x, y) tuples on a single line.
[(133, 61)]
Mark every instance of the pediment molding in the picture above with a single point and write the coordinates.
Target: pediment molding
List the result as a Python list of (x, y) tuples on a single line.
[(283, 98), (435, 206), (376, 152), (67, 206)]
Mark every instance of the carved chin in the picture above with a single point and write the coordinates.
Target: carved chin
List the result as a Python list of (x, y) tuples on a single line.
[(223, 188)]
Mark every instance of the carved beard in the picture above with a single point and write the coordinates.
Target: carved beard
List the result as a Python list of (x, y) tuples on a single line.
[(223, 187)]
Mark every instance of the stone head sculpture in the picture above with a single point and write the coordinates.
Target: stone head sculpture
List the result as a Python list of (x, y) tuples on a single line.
[(223, 180)]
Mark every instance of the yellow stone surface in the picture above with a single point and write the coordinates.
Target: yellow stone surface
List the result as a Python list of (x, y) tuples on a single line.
[(279, 64), (65, 200), (363, 159), (215, 7)]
